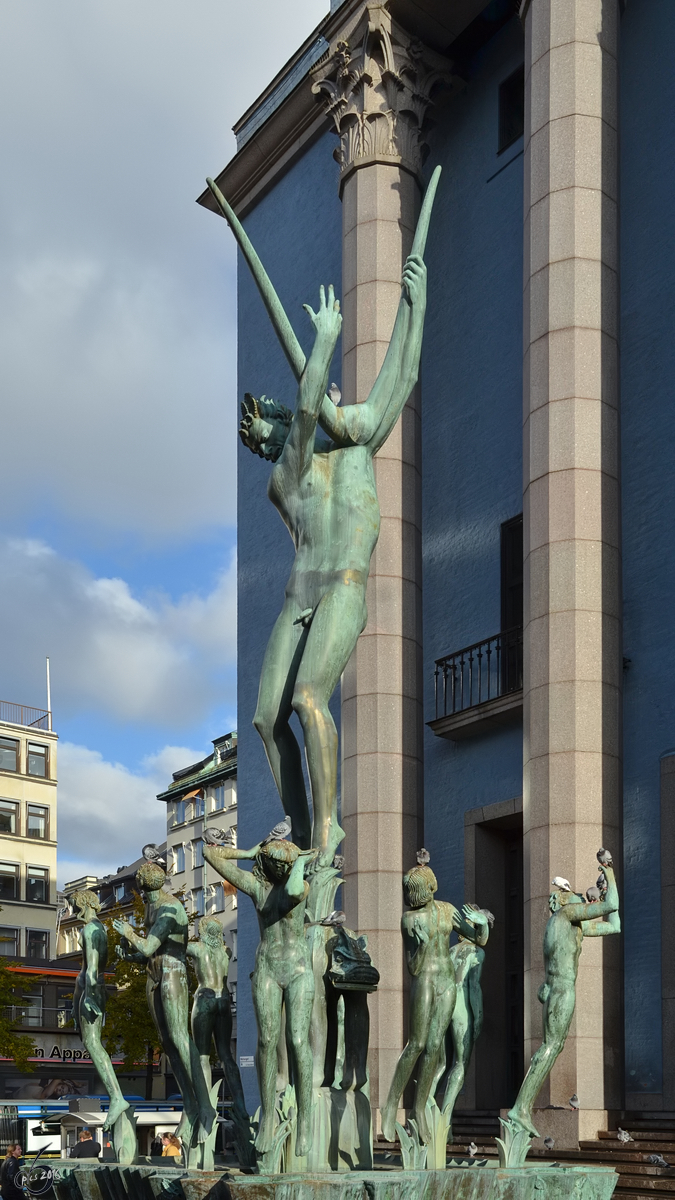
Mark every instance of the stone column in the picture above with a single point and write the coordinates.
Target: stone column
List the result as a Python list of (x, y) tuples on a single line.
[(572, 774), (378, 82)]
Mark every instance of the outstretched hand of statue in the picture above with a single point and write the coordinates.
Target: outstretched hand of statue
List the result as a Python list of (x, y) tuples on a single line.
[(327, 321), (415, 279)]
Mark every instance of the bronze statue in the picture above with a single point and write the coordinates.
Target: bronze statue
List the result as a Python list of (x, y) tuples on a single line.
[(572, 919), (467, 1017), (426, 931), (164, 950), (282, 975)]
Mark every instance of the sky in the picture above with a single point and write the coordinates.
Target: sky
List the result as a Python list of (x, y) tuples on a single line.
[(118, 384)]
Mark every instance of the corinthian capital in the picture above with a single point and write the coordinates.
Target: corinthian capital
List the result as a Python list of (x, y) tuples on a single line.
[(377, 83)]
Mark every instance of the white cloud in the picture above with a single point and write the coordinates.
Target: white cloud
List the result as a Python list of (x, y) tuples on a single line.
[(136, 659), (117, 305), (107, 813)]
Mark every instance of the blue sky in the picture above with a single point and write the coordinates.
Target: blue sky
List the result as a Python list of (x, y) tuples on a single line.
[(117, 369)]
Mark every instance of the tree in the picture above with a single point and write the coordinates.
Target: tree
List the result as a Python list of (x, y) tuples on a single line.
[(18, 1046)]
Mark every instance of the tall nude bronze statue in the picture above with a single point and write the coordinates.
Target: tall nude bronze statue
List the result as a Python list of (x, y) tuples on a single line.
[(282, 976), (89, 998), (467, 1017), (325, 493), (211, 1019), (426, 931), (164, 951), (572, 919)]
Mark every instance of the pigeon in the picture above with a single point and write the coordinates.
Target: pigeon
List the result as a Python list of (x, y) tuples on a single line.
[(335, 394), (593, 895), (423, 857), (472, 1148), (604, 857), (623, 1136), (218, 837), (151, 853), (562, 884), (549, 1143), (657, 1160), (574, 1101), (279, 833), (601, 884), (339, 862), (333, 920)]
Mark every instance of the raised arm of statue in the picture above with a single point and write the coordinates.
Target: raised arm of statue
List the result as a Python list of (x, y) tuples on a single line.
[(608, 907), (299, 446), (472, 924), (147, 946), (223, 860)]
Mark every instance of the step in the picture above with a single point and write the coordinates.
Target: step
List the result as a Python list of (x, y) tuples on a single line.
[(640, 1135), (643, 1145)]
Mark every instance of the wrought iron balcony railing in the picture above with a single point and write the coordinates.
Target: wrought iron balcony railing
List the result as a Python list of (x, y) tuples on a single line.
[(478, 673)]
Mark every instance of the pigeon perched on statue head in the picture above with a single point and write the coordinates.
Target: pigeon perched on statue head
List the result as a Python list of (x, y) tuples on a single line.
[(623, 1135), (574, 1101), (604, 857), (563, 885), (280, 832), (152, 853), (423, 857)]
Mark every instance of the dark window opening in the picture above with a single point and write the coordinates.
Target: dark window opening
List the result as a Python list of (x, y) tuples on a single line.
[(512, 603), (37, 943), (9, 754), (511, 109), (9, 942), (37, 885), (9, 881), (38, 758)]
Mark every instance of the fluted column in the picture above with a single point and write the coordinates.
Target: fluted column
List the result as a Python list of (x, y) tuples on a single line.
[(377, 84), (572, 778)]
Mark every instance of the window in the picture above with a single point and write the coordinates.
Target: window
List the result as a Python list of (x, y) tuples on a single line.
[(234, 945), (180, 812), (512, 573), (37, 885), (37, 943), (9, 881), (37, 824), (198, 807), (9, 754), (64, 1006), (198, 853), (8, 816), (31, 1008), (511, 109), (198, 901), (9, 942), (218, 798), (38, 758), (119, 892), (219, 899), (178, 859)]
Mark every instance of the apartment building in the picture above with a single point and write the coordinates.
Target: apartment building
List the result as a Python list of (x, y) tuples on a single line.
[(27, 833), (203, 794)]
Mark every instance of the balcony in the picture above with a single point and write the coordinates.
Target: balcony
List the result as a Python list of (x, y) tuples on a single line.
[(22, 714), (479, 688)]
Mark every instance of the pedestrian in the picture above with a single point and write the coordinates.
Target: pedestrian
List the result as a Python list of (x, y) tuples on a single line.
[(8, 1173), (87, 1146), (156, 1146), (172, 1146)]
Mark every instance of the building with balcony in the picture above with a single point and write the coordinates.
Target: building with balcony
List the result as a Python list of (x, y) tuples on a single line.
[(510, 703), (203, 794), (27, 833)]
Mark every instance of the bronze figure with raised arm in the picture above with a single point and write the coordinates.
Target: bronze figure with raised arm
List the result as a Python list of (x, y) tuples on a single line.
[(325, 493)]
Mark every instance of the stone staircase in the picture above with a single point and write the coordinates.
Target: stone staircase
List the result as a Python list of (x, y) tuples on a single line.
[(638, 1179)]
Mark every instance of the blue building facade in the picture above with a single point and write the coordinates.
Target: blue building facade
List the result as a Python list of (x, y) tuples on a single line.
[(479, 409)]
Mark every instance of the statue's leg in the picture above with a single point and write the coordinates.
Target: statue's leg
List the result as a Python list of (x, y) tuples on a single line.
[(272, 715), (223, 1036), (460, 1032), (91, 1040), (337, 622), (202, 1022), (558, 1013), (267, 998), (441, 1015), (299, 997), (164, 1031), (421, 1005), (183, 1053)]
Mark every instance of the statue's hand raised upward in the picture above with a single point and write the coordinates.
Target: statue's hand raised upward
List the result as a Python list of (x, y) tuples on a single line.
[(415, 278), (327, 321)]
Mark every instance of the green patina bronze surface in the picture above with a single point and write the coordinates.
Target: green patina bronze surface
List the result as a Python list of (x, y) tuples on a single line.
[(164, 950), (89, 999), (282, 975), (89, 1182), (467, 1018), (572, 919), (325, 493), (426, 931)]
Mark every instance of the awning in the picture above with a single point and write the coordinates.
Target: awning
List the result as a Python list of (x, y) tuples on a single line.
[(191, 795)]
